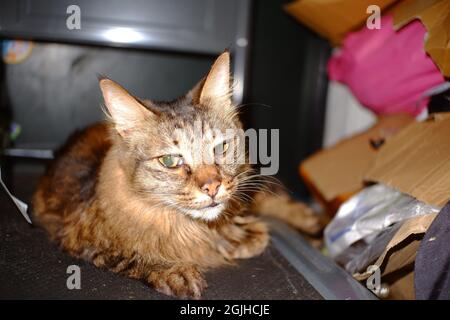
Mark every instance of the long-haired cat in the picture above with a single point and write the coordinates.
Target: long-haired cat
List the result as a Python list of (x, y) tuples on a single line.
[(132, 195)]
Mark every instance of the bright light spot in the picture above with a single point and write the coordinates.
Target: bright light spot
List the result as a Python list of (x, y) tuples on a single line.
[(123, 35)]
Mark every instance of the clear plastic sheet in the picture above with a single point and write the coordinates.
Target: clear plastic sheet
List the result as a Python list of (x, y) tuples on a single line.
[(364, 216)]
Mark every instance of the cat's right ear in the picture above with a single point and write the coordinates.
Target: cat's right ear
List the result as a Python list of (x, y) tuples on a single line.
[(215, 89), (124, 110)]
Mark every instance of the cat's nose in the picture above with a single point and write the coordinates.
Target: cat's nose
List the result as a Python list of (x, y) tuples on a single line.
[(211, 187), (208, 179)]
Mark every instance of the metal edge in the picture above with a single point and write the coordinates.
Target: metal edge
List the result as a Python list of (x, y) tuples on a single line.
[(330, 280)]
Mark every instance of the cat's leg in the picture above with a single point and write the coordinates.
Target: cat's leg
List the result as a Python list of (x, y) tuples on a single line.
[(244, 237), (180, 280), (281, 206)]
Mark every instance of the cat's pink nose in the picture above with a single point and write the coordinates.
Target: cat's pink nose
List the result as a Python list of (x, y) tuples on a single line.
[(211, 187), (208, 179)]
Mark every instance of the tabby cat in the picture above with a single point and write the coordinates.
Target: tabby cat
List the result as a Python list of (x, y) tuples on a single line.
[(131, 195)]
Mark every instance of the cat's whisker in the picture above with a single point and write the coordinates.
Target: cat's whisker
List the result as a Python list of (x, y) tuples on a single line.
[(258, 178), (242, 197), (251, 104)]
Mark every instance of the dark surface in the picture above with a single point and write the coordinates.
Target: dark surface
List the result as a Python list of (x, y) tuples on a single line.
[(33, 268), (432, 264)]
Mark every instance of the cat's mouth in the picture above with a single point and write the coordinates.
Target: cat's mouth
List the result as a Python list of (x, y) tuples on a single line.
[(209, 204), (213, 204)]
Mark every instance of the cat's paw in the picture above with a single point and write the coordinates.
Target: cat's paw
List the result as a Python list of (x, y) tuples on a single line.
[(303, 218), (282, 206), (245, 238), (180, 281)]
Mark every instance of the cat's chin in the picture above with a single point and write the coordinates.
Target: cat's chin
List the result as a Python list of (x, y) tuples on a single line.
[(205, 214)]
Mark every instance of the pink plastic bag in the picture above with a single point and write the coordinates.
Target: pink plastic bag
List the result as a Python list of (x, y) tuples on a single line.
[(387, 71)]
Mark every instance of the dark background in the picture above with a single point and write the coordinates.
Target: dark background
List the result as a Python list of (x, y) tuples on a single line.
[(288, 73)]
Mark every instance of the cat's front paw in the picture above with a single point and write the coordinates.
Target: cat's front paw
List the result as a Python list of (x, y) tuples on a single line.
[(180, 281), (245, 238), (303, 218)]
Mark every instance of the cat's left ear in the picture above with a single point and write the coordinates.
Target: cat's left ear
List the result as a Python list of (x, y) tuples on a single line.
[(215, 89)]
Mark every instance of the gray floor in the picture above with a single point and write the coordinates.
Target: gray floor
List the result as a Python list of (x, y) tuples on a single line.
[(31, 267)]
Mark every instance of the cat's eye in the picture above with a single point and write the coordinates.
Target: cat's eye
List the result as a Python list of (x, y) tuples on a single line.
[(171, 161), (221, 148)]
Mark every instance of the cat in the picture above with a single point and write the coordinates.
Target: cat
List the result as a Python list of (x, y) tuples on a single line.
[(130, 195)]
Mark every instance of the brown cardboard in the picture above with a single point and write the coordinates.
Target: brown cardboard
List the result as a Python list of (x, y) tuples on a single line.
[(333, 19), (401, 287), (416, 161), (435, 15), (340, 170), (397, 260)]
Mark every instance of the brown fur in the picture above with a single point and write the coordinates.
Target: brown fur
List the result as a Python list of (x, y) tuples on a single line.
[(99, 199)]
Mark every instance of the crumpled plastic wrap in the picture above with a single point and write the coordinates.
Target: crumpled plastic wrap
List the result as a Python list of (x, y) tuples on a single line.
[(359, 260), (364, 216)]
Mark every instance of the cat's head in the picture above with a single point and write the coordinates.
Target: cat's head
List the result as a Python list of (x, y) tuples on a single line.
[(185, 154)]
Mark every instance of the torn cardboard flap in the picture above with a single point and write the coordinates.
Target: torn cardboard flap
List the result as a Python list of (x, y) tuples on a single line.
[(333, 19), (398, 253), (416, 161), (435, 16)]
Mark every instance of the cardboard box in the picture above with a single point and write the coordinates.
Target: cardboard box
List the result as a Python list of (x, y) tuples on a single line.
[(334, 174), (416, 161), (333, 19)]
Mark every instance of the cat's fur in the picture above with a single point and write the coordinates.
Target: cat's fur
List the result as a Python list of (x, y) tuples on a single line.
[(108, 200)]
